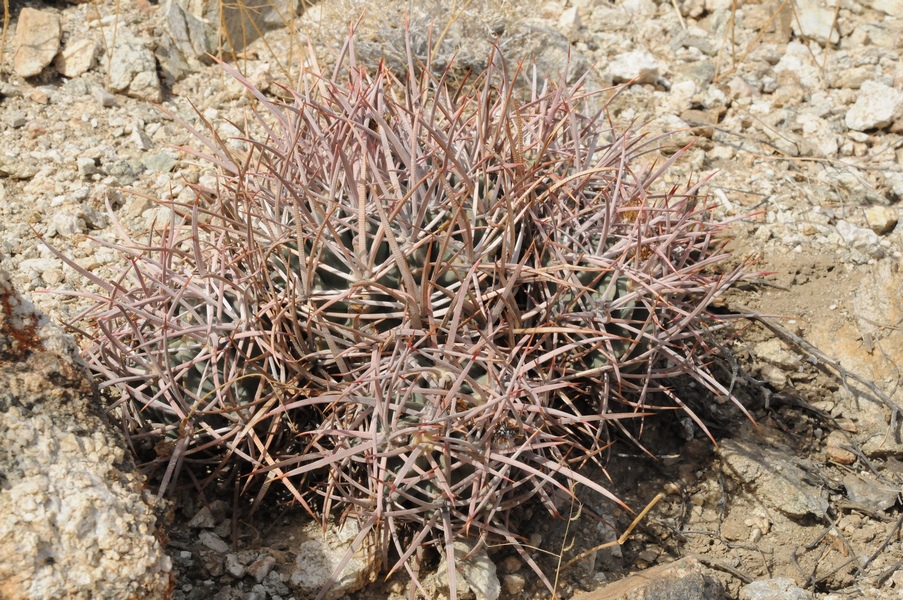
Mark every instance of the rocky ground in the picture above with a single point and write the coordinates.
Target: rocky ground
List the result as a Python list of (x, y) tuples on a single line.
[(798, 106)]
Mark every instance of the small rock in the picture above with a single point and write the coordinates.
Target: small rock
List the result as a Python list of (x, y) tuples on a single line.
[(234, 566), (76, 58), (209, 515), (9, 90), (774, 375), (125, 172), (37, 41), (774, 352), (16, 168), (103, 97), (640, 8), (570, 20), (86, 166), (894, 183), (15, 119), (782, 588), (510, 564), (877, 106), (835, 450), (66, 223), (162, 162), (52, 276), (513, 584), (638, 66), (213, 541), (478, 571), (881, 219), (852, 78), (260, 568), (41, 95), (140, 140)]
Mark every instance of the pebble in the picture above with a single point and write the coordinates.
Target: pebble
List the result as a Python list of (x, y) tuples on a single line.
[(510, 564), (234, 566), (86, 166), (835, 451), (261, 567), (815, 20), (777, 354), (213, 541), (513, 584), (773, 471), (103, 97)]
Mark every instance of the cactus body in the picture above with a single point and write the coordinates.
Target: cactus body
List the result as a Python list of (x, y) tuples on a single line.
[(437, 301)]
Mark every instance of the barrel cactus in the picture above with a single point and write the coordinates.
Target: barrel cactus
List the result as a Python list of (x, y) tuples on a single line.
[(416, 303)]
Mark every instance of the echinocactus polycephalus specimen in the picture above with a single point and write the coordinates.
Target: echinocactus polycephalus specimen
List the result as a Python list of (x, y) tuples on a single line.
[(417, 303)]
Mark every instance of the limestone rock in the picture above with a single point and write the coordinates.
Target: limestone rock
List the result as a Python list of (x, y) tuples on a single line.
[(550, 51), (686, 579), (774, 352), (893, 8), (638, 66), (781, 588), (320, 554), (860, 238), (876, 106), (189, 32), (37, 41), (881, 219), (477, 575), (77, 57), (773, 476), (75, 519), (133, 70), (815, 19)]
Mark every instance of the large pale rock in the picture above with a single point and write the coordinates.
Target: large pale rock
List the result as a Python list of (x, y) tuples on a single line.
[(77, 57), (133, 69), (858, 238), (75, 519), (893, 8), (815, 19), (772, 475), (868, 344), (797, 58), (638, 66), (876, 106), (477, 575), (192, 30), (320, 554), (781, 588), (686, 579), (37, 41)]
